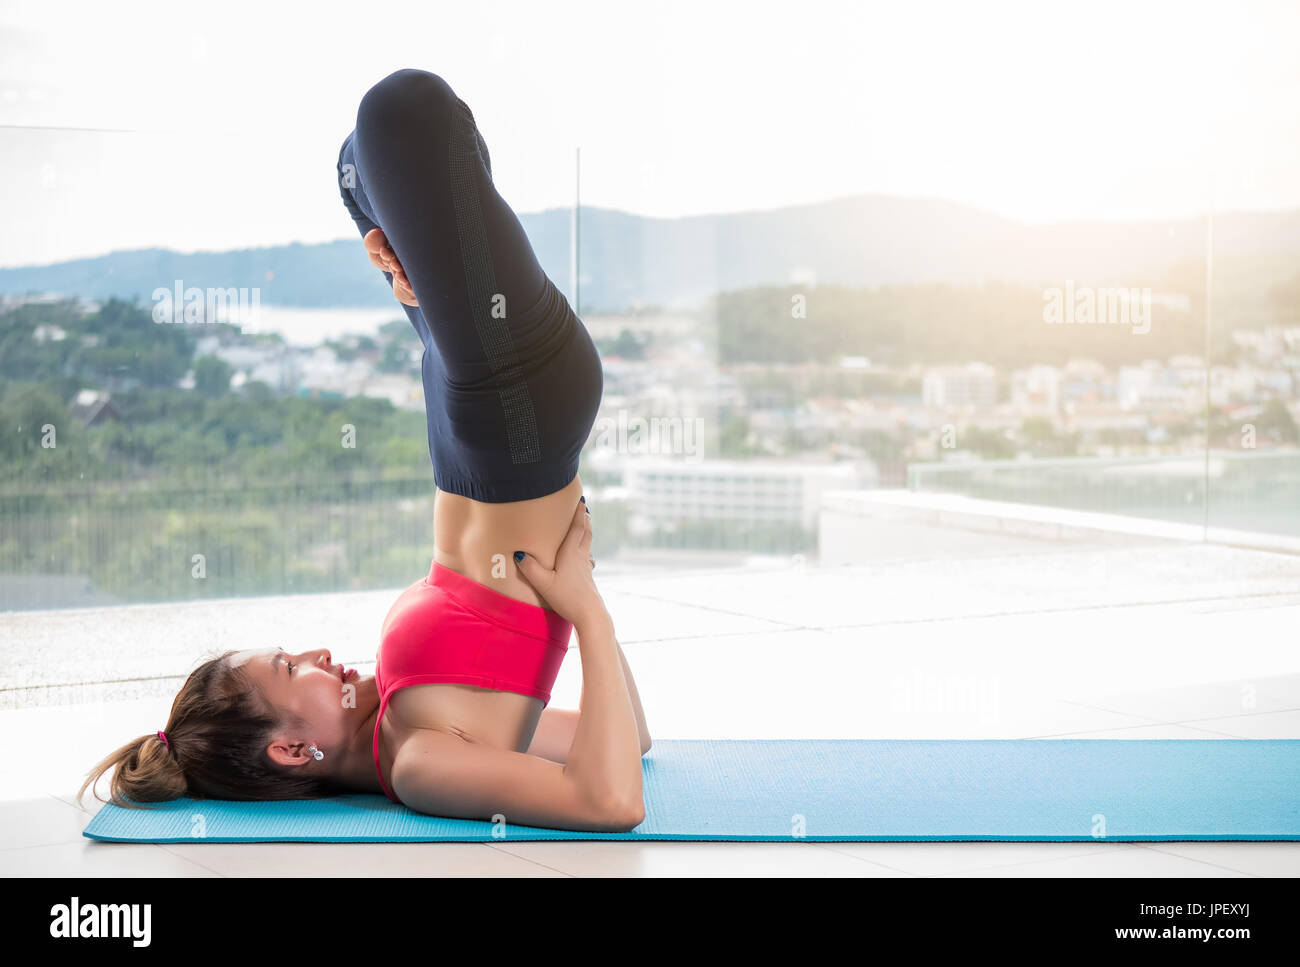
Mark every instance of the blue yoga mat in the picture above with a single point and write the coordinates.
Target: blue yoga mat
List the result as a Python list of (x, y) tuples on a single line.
[(785, 790)]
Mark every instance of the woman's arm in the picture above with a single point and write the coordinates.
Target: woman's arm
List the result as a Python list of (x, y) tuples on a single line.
[(553, 736), (642, 729), (606, 750), (441, 774), (605, 758)]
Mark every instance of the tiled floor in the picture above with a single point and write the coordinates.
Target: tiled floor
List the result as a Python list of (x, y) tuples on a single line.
[(1017, 639)]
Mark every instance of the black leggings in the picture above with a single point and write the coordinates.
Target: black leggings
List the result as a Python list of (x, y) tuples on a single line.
[(512, 381)]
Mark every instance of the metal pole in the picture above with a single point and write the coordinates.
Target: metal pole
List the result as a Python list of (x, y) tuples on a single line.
[(1209, 312), (577, 230)]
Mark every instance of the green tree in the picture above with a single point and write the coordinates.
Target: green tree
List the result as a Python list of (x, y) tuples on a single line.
[(989, 444), (733, 438), (628, 346), (212, 376), (23, 417), (1275, 420), (395, 358)]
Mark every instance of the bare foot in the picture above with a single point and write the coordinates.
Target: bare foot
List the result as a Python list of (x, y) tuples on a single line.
[(383, 257)]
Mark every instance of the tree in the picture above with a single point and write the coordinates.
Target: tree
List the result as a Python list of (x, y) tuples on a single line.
[(258, 391), (25, 414), (989, 444), (396, 357), (1275, 419), (628, 346), (733, 439), (212, 376)]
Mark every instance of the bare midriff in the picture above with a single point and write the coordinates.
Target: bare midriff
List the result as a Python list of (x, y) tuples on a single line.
[(479, 540)]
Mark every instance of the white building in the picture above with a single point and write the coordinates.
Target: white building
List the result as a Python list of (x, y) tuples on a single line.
[(48, 332), (402, 391), (1036, 389), (975, 384), (663, 491), (1247, 384), (1085, 369), (269, 363), (1152, 386), (320, 370)]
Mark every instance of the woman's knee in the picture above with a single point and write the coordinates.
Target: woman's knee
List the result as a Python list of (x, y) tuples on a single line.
[(406, 96)]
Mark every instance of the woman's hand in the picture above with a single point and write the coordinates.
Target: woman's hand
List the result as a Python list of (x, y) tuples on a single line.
[(569, 590), (383, 257)]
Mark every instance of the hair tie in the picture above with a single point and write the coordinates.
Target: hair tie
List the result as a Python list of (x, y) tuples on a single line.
[(163, 735)]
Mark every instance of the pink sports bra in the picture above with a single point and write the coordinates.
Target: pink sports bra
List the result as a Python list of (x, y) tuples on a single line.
[(448, 628)]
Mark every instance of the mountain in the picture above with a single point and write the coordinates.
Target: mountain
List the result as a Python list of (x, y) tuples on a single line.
[(629, 260)]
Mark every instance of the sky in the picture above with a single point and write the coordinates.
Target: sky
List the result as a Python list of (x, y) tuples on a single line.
[(207, 126)]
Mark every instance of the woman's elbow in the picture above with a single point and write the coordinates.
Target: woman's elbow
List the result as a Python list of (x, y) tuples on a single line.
[(616, 815), (629, 815), (645, 745)]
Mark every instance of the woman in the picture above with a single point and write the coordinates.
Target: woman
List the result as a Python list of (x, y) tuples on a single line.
[(455, 720)]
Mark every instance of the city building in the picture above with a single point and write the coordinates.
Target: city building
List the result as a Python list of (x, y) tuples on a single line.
[(1036, 390), (92, 407), (663, 492), (975, 384)]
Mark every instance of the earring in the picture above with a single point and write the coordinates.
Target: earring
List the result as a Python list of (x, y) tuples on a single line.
[(317, 754)]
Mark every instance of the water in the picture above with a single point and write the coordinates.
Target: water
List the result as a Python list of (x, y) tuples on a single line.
[(310, 327)]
